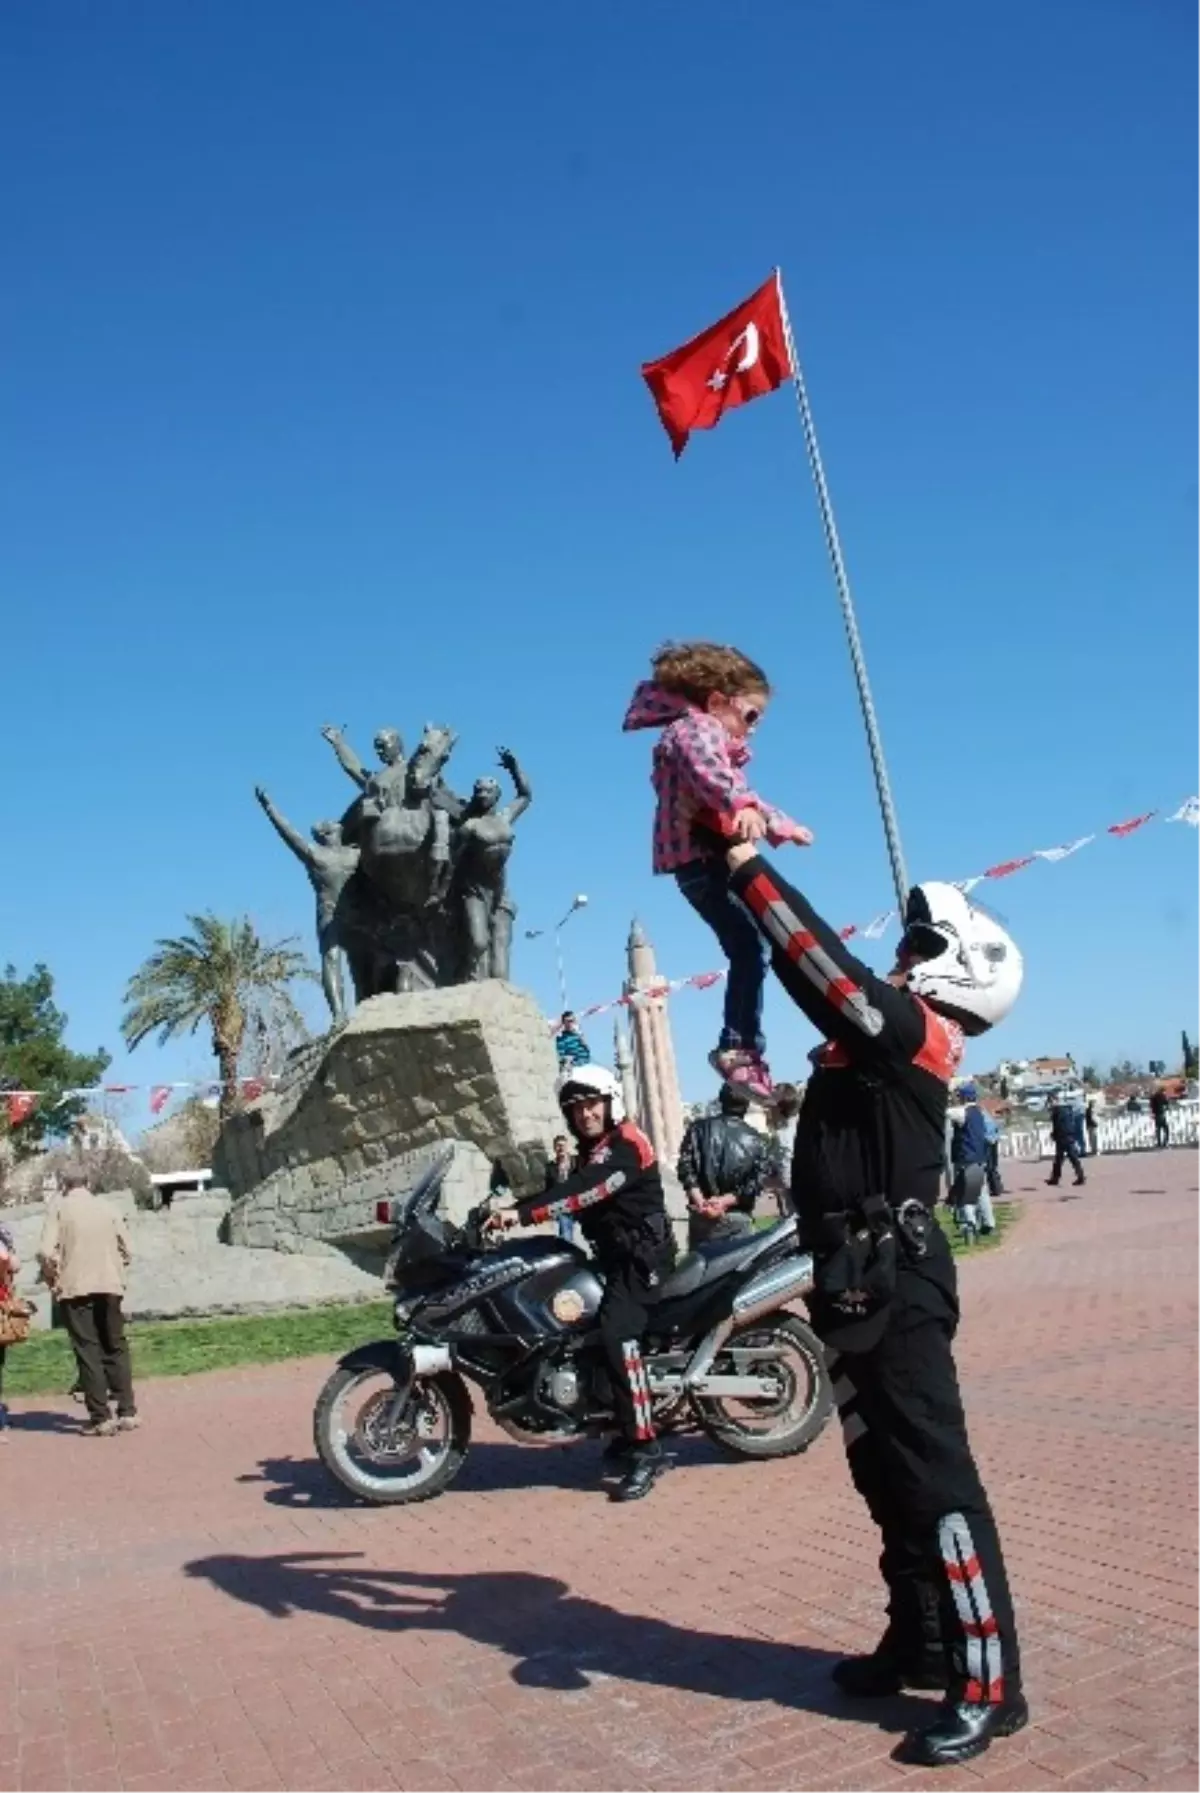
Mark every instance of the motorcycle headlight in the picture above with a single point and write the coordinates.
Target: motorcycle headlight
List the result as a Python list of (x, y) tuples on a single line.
[(404, 1309)]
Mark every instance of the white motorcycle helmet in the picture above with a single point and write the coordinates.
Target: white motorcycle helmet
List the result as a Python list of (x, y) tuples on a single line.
[(592, 1080), (970, 969)]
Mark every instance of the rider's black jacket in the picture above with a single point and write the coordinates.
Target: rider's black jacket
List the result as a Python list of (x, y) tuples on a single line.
[(616, 1192)]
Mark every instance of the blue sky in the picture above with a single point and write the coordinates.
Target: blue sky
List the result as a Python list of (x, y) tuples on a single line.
[(322, 331)]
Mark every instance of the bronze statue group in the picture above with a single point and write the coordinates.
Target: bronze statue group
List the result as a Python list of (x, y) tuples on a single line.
[(411, 883)]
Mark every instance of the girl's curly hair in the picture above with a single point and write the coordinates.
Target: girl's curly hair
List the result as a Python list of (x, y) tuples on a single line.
[(695, 669)]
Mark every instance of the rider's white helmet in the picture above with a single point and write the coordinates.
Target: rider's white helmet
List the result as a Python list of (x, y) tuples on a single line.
[(592, 1080), (970, 969)]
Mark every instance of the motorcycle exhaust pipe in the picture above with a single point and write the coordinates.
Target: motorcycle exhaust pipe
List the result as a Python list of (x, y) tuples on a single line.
[(773, 1289), (769, 1290)]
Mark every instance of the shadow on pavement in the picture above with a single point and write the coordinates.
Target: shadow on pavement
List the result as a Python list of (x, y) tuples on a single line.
[(557, 1638), (490, 1468), (20, 1419)]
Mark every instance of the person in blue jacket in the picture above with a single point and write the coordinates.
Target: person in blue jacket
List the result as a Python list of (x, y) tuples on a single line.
[(969, 1194)]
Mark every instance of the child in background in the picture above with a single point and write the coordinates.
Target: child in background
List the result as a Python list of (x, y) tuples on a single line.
[(708, 700)]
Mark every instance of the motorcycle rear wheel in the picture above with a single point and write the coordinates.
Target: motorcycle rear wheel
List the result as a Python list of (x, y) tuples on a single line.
[(385, 1464), (787, 1424)]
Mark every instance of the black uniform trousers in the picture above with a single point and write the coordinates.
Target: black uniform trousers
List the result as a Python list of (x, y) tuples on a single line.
[(629, 1297), (906, 1443)]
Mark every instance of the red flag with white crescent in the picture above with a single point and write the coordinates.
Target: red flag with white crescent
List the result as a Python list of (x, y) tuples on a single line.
[(21, 1104), (742, 357)]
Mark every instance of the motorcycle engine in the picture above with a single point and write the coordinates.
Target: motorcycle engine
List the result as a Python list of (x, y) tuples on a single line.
[(559, 1387)]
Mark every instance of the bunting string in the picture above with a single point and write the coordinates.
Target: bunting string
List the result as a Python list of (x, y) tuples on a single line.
[(1188, 813), (21, 1103)]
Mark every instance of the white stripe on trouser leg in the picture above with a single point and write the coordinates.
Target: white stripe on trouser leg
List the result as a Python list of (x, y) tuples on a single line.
[(639, 1389), (972, 1603)]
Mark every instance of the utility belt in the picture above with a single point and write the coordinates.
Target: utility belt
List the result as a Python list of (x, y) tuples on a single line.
[(910, 1220), (856, 1261), (646, 1241)]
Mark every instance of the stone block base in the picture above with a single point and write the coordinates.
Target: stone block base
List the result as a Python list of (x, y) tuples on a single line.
[(359, 1115)]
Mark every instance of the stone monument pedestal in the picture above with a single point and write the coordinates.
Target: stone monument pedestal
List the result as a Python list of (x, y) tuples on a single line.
[(358, 1115)]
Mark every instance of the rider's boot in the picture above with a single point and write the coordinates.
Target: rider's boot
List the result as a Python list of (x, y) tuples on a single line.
[(963, 1729), (910, 1652), (645, 1462), (615, 1455)]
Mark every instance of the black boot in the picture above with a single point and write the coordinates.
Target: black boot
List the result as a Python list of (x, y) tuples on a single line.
[(910, 1653), (614, 1458), (963, 1729), (646, 1462), (884, 1672)]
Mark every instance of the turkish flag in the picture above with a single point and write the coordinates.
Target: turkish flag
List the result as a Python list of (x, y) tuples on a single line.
[(21, 1104), (160, 1095), (741, 358)]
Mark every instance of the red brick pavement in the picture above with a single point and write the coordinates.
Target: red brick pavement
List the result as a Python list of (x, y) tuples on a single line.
[(192, 1606)]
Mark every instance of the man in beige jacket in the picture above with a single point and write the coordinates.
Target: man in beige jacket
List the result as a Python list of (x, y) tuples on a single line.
[(84, 1251)]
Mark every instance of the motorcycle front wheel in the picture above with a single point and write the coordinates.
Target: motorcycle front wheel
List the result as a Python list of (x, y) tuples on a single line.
[(786, 1422), (388, 1456)]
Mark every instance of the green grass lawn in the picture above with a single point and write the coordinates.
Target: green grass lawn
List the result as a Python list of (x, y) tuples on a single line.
[(45, 1365), (1006, 1214)]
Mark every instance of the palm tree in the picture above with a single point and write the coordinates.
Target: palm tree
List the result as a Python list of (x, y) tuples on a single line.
[(222, 973)]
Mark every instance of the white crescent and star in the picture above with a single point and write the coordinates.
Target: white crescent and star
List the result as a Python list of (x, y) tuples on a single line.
[(748, 342)]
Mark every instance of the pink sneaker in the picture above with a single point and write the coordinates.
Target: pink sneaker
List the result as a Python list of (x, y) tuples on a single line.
[(746, 1070)]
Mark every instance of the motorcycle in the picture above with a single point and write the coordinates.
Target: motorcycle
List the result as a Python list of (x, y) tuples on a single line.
[(517, 1317)]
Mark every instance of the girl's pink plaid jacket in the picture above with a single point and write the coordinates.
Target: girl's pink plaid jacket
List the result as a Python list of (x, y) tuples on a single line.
[(697, 766)]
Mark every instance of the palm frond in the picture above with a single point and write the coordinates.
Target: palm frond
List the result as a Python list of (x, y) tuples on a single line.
[(220, 972)]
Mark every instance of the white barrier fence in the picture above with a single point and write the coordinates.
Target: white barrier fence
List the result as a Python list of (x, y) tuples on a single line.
[(1114, 1133)]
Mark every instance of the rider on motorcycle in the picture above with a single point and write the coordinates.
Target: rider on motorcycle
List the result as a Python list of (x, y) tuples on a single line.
[(615, 1192)]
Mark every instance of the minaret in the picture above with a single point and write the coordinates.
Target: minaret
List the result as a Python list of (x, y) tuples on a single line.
[(623, 1064), (659, 1107)]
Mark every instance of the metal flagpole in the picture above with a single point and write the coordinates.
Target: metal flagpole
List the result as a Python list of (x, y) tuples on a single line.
[(879, 766)]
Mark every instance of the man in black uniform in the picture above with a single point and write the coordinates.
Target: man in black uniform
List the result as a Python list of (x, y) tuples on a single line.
[(868, 1157), (615, 1191)]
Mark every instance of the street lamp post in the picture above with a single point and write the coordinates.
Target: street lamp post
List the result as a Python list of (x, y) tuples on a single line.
[(577, 902)]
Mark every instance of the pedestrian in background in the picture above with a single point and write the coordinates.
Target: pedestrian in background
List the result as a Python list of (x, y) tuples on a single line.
[(723, 1165), (557, 1171), (969, 1196), (994, 1182), (1078, 1123), (1062, 1132), (84, 1253), (569, 1043)]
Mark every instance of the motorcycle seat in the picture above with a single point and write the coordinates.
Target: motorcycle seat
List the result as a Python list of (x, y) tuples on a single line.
[(721, 1257)]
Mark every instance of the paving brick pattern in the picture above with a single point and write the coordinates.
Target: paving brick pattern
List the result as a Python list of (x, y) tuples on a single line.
[(194, 1606)]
